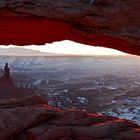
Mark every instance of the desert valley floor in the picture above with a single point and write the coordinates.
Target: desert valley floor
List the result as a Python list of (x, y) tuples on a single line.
[(101, 84)]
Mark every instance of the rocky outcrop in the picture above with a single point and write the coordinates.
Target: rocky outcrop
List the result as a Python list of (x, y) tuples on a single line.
[(108, 23), (6, 75), (9, 90), (32, 119)]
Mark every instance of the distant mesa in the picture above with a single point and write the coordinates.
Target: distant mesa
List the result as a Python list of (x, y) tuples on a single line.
[(6, 75)]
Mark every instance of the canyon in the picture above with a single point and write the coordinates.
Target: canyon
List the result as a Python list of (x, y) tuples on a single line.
[(61, 101), (107, 23)]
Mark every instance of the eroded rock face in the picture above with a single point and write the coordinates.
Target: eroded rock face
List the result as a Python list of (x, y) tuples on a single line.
[(32, 119), (108, 23)]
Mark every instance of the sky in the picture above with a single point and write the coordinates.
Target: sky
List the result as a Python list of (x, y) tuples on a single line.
[(71, 48)]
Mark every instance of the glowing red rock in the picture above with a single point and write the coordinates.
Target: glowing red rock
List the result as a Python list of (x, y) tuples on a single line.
[(114, 24)]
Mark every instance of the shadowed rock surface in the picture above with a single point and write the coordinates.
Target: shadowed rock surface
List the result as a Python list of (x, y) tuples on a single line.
[(8, 88), (108, 23), (6, 75), (32, 119)]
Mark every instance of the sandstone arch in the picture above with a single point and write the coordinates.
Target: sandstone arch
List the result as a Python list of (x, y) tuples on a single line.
[(108, 23)]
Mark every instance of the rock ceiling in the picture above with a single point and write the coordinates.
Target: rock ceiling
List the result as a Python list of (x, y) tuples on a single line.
[(108, 23)]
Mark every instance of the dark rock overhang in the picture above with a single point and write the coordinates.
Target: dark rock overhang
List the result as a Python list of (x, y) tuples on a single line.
[(108, 23)]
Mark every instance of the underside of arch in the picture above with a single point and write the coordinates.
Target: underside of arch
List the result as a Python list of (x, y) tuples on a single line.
[(108, 23)]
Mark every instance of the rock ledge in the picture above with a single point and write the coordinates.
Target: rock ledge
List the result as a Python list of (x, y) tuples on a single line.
[(32, 119)]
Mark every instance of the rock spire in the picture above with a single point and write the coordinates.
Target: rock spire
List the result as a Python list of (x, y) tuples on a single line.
[(6, 74)]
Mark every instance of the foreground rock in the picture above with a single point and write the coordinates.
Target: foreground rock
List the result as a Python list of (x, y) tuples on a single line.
[(32, 119), (9, 90), (109, 23)]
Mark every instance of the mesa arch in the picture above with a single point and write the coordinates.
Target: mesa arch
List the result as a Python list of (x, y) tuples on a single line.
[(108, 23)]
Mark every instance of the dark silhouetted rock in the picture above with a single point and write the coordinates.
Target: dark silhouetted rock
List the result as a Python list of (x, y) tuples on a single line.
[(6, 75), (8, 89)]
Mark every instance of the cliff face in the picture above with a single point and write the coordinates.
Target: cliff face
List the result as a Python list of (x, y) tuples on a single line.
[(32, 119), (108, 23)]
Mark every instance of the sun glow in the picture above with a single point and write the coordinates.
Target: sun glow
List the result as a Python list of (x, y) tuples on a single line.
[(71, 48)]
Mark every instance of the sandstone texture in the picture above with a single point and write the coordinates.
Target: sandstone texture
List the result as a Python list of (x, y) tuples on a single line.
[(32, 119), (108, 23)]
